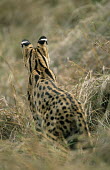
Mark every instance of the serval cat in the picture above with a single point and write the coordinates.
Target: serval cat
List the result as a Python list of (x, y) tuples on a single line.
[(56, 112)]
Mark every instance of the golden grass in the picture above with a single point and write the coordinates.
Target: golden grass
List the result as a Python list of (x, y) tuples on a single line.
[(79, 45)]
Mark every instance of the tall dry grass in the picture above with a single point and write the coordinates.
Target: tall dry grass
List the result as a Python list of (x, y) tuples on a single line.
[(79, 45)]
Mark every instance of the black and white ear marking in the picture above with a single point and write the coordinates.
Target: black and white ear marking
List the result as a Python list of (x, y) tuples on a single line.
[(42, 40), (25, 43)]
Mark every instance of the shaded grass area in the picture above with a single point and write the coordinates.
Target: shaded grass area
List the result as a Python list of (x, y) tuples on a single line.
[(79, 45), (31, 154)]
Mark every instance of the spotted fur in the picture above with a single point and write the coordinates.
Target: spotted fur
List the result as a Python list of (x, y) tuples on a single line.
[(56, 112)]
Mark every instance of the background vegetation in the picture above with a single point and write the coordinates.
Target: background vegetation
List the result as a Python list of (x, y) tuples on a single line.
[(79, 45)]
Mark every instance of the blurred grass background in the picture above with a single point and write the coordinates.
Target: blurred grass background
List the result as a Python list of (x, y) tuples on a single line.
[(78, 34)]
